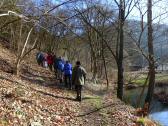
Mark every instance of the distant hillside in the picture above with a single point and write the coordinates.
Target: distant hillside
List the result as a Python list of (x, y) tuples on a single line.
[(160, 39)]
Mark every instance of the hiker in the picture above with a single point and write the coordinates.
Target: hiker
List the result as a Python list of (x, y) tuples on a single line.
[(78, 79), (50, 61), (60, 68), (55, 64), (68, 74), (40, 58), (45, 64)]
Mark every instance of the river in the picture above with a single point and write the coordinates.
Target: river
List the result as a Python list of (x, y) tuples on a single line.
[(158, 111)]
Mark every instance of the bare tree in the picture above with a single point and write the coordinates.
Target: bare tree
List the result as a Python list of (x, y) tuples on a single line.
[(151, 55)]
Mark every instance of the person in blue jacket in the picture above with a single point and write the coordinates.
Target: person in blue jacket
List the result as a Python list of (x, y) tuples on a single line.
[(60, 67), (68, 74)]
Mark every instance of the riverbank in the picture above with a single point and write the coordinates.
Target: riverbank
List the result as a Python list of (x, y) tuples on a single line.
[(162, 97), (161, 92), (158, 110), (134, 85), (137, 79), (161, 86)]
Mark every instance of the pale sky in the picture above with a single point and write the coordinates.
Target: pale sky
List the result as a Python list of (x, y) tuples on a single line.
[(159, 7)]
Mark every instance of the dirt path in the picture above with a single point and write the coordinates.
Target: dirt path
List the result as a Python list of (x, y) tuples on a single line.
[(102, 108)]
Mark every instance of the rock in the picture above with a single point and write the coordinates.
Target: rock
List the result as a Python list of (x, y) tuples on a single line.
[(131, 86)]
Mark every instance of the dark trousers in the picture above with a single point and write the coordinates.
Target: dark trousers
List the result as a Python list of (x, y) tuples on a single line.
[(67, 80), (78, 92), (56, 73), (50, 66), (40, 62), (60, 75)]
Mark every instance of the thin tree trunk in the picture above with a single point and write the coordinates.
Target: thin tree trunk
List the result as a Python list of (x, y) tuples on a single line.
[(12, 45), (22, 52), (120, 55), (101, 69), (105, 67), (142, 92), (94, 60), (94, 68), (31, 49), (120, 81), (151, 56), (91, 63)]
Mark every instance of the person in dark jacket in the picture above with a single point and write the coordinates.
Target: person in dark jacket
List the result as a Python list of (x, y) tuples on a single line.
[(50, 61), (40, 58), (55, 65), (78, 79), (68, 74)]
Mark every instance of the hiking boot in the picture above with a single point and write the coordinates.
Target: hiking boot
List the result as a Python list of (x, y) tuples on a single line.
[(78, 99)]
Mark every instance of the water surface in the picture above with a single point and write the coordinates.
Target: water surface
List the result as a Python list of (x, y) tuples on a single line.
[(158, 111)]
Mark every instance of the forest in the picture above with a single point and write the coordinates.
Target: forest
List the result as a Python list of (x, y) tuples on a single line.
[(113, 55)]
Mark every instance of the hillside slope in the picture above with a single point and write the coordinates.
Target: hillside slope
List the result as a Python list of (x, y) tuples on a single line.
[(37, 99)]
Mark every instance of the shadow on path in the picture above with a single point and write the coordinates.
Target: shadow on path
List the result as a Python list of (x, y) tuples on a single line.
[(42, 80), (96, 110), (42, 92), (86, 98), (100, 92), (55, 96)]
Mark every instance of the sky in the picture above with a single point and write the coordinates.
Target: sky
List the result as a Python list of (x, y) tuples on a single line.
[(159, 8)]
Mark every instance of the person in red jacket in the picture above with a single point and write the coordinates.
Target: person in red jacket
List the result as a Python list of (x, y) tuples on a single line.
[(50, 60)]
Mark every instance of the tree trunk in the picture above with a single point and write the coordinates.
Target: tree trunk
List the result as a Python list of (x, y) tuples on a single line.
[(142, 92), (94, 68), (105, 67), (120, 51), (120, 81), (19, 58), (18, 67), (101, 69), (94, 61), (151, 56), (91, 63), (93, 56)]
